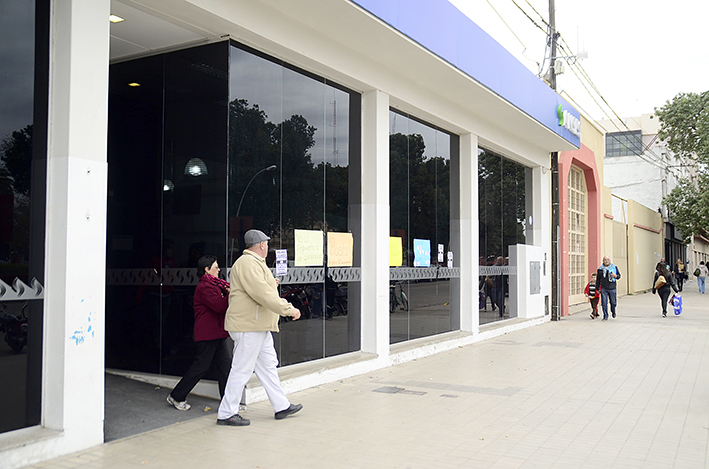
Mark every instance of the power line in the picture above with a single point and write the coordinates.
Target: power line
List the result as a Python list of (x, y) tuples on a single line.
[(647, 154)]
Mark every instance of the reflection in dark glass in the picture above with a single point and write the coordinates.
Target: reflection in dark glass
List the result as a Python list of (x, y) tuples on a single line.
[(217, 140), (23, 94), (420, 200), (502, 210), (167, 201), (301, 124)]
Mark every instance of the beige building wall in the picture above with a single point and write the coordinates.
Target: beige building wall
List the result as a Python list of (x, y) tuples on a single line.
[(634, 247), (614, 240), (645, 245), (699, 252), (593, 136)]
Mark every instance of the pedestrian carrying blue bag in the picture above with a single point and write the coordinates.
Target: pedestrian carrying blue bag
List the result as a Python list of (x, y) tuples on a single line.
[(677, 303)]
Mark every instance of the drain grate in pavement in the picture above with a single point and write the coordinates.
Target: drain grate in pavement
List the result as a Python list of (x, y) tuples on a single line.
[(396, 390), (389, 389), (452, 396), (413, 393)]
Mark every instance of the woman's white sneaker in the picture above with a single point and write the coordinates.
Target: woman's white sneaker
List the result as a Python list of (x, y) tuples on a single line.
[(178, 405)]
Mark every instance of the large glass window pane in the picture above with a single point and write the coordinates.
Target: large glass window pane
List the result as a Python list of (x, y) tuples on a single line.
[(420, 199), (216, 140), (22, 209), (134, 214), (166, 201), (194, 189), (502, 211), (289, 166)]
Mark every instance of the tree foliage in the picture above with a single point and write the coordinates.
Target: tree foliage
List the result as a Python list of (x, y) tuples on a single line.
[(684, 125), (292, 196), (689, 206), (16, 154), (419, 192)]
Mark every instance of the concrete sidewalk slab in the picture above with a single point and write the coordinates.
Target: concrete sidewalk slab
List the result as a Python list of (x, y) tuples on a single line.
[(628, 392)]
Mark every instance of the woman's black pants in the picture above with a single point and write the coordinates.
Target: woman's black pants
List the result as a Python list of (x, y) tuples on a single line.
[(208, 352)]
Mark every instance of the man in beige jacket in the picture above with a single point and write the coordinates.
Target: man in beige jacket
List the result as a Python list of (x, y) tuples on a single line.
[(252, 316)]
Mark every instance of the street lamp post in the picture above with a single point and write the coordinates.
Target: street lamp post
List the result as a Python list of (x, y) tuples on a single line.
[(270, 168), (238, 210)]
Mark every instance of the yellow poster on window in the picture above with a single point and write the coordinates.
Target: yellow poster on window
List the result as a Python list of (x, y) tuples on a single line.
[(395, 251), (308, 248), (339, 249)]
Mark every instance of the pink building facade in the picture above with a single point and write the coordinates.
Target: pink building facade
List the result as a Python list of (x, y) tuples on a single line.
[(584, 160)]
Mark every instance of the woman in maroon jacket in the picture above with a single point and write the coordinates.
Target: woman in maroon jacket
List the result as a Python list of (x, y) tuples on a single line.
[(211, 298)]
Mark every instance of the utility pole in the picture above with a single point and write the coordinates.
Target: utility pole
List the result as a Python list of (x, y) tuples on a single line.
[(555, 227)]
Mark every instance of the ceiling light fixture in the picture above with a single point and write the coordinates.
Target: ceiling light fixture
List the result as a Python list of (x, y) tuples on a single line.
[(115, 19), (134, 84), (196, 167)]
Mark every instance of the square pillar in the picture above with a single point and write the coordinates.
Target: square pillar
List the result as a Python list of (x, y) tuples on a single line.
[(73, 349), (375, 223), (469, 234)]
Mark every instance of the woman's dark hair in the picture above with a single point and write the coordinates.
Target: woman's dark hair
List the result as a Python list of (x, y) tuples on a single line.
[(661, 267), (204, 262)]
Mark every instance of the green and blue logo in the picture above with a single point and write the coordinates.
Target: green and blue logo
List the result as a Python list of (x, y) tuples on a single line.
[(569, 121)]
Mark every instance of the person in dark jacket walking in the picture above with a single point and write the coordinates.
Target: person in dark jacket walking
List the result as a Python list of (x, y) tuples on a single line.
[(680, 273), (211, 298), (663, 290), (607, 276)]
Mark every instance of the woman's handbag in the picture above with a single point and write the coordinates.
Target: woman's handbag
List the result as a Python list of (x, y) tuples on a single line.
[(661, 280)]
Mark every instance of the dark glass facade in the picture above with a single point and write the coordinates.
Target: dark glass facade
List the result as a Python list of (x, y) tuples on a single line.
[(308, 128), (423, 168), (191, 134), (502, 206), (23, 94)]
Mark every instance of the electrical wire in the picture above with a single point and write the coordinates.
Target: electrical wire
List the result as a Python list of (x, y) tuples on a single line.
[(505, 23), (646, 153), (653, 159)]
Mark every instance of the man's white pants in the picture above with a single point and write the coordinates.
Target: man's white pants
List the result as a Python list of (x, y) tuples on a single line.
[(253, 352)]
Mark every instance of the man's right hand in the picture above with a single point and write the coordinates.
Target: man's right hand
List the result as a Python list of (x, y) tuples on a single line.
[(295, 314)]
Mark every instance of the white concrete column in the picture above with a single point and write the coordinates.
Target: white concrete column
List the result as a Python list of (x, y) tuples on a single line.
[(469, 233), (375, 223), (73, 352)]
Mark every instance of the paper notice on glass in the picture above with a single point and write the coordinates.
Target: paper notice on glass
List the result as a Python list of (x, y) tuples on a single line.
[(395, 251), (339, 249), (440, 253), (281, 262), (450, 260), (422, 253), (308, 248)]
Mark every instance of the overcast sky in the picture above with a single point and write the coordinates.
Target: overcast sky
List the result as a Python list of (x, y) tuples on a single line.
[(641, 53)]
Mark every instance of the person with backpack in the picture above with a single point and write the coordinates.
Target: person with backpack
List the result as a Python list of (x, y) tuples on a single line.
[(701, 274)]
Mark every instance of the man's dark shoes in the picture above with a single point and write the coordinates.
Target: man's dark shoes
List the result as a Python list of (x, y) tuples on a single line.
[(234, 421), (289, 411), (613, 315)]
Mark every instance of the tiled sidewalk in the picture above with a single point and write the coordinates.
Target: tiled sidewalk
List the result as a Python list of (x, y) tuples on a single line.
[(629, 392)]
